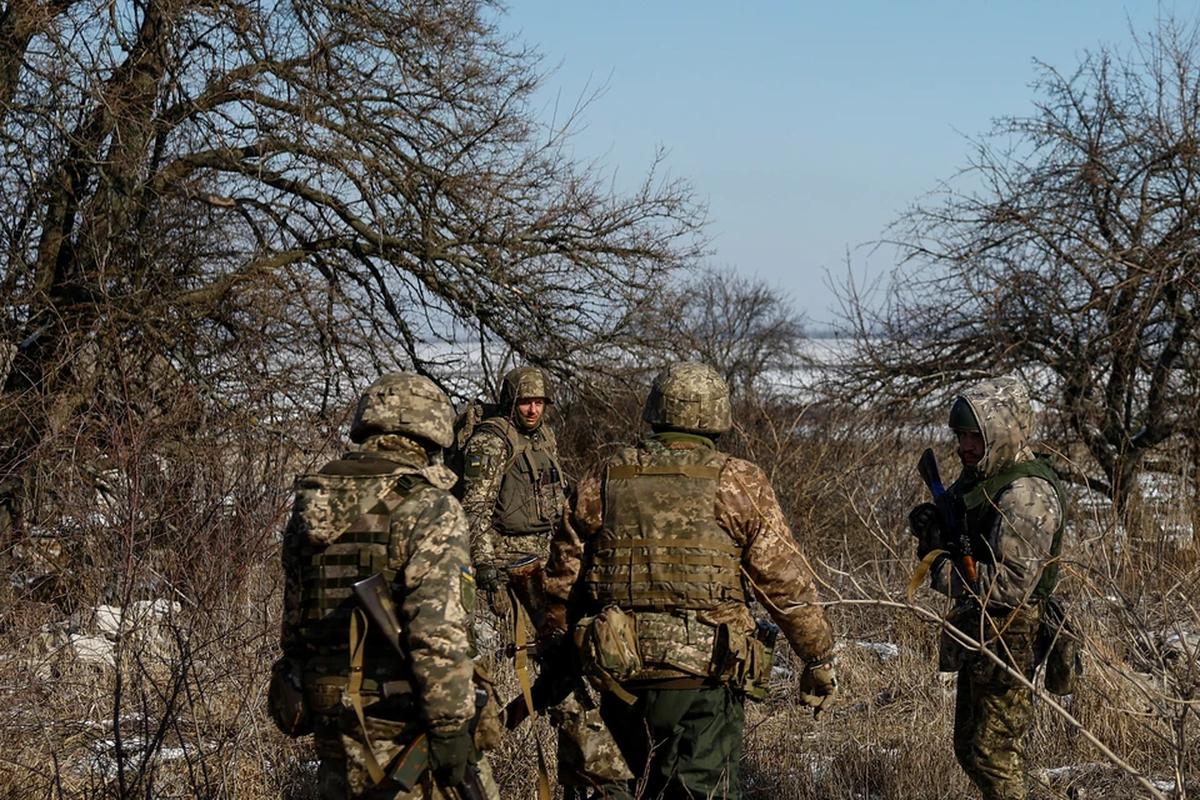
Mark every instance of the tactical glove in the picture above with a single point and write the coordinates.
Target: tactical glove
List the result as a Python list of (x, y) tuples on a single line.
[(487, 577), (818, 685), (491, 581), (925, 522), (449, 756)]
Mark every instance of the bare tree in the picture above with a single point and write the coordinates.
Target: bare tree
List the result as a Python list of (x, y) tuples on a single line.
[(738, 324), (245, 203), (1073, 257)]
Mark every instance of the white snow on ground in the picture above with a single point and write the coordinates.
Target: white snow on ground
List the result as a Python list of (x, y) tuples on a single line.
[(104, 754), (886, 651)]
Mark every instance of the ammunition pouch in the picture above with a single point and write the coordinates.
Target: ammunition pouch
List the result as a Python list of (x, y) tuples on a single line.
[(287, 701), (744, 662), (616, 646), (488, 729), (608, 650), (1058, 644)]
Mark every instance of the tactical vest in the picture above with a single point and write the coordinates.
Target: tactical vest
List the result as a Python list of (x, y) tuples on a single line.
[(346, 526), (661, 547), (979, 500), (531, 495)]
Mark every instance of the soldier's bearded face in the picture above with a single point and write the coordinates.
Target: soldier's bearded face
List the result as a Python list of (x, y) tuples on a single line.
[(970, 448), (530, 410)]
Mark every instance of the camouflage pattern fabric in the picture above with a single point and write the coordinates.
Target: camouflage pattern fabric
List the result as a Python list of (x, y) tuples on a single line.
[(428, 552), (342, 776), (689, 396), (775, 569), (689, 739), (407, 404), (491, 464), (524, 382), (493, 478), (1016, 545), (685, 741), (1013, 540), (993, 710), (588, 754)]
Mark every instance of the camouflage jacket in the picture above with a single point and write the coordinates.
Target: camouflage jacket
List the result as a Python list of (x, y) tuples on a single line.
[(1017, 528), (428, 550), (775, 569), (493, 475)]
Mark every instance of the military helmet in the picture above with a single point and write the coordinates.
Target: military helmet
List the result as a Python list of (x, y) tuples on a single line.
[(405, 404), (691, 397), (522, 383), (962, 416)]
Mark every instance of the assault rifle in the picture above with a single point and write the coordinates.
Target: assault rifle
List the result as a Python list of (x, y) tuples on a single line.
[(406, 771), (958, 541)]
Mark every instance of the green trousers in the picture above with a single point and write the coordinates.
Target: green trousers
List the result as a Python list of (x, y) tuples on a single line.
[(680, 744)]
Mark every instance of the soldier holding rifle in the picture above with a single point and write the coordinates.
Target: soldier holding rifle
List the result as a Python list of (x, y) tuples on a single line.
[(992, 541)]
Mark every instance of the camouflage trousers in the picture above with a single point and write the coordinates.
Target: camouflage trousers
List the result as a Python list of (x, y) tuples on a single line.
[(993, 711), (587, 756), (681, 744), (343, 774)]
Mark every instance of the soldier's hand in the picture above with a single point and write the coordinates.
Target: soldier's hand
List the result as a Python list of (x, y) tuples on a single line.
[(818, 686), (449, 755), (925, 522), (498, 602), (487, 577)]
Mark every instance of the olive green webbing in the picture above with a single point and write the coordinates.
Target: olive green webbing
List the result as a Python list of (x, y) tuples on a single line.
[(519, 509), (728, 548), (627, 471), (986, 492)]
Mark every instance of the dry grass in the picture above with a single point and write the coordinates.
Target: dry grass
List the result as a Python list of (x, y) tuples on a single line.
[(180, 710)]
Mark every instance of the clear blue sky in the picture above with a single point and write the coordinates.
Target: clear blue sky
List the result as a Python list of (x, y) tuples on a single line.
[(806, 127)]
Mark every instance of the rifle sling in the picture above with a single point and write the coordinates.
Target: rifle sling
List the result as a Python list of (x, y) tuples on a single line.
[(358, 620), (521, 629), (521, 650)]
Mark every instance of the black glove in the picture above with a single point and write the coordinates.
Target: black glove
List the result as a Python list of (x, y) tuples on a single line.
[(494, 584), (925, 522), (487, 577), (449, 756)]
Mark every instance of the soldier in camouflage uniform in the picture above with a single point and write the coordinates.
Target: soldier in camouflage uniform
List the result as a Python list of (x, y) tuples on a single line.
[(514, 490), (667, 544), (514, 495), (1011, 508), (384, 508)]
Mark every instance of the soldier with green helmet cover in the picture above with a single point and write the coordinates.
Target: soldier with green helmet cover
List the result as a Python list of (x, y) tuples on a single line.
[(667, 544), (1010, 506), (513, 485), (514, 495), (383, 509)]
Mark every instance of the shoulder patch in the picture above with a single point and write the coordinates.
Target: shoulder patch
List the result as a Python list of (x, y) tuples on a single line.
[(476, 464)]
